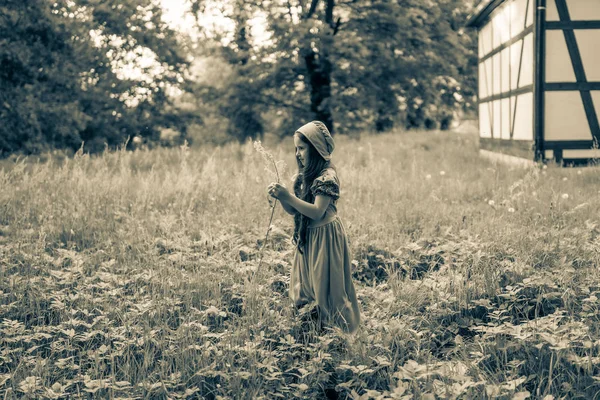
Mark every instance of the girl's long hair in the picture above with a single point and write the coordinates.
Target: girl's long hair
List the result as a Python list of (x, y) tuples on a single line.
[(304, 180)]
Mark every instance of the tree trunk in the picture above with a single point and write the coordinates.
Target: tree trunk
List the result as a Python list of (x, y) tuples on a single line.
[(319, 69)]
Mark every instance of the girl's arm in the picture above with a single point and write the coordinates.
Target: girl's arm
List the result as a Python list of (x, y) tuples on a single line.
[(314, 211), (288, 208)]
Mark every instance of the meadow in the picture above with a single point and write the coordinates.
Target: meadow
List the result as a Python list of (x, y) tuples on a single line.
[(128, 275)]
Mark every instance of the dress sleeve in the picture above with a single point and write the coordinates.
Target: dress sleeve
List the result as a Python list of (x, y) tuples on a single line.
[(326, 185)]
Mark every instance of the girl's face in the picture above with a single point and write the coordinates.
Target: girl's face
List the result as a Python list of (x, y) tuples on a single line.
[(301, 151)]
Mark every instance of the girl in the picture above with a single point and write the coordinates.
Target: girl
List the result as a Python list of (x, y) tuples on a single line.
[(321, 268)]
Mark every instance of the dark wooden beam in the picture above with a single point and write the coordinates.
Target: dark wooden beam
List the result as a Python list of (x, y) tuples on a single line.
[(561, 25), (512, 41), (517, 148), (573, 86), (571, 144), (506, 95), (577, 62), (539, 66)]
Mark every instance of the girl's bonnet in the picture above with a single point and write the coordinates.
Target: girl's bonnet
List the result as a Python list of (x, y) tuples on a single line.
[(318, 135)]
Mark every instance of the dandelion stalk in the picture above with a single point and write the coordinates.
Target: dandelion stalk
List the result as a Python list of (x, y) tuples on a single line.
[(260, 258), (269, 159)]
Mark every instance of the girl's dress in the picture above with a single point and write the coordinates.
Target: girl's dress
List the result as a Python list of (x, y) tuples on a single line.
[(322, 274)]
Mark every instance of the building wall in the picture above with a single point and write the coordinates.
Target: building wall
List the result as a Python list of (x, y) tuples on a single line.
[(506, 59), (572, 77)]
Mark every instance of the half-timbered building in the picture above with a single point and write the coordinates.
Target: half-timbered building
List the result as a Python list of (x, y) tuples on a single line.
[(539, 78)]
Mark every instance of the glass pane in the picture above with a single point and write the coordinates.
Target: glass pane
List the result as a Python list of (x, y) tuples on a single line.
[(486, 38), (497, 73), (497, 28), (483, 82), (484, 120), (505, 69), (530, 11), (527, 63), (517, 16), (497, 118), (515, 63), (505, 125), (489, 77), (502, 25)]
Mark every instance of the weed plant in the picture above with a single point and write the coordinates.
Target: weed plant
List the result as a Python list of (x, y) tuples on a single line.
[(126, 276)]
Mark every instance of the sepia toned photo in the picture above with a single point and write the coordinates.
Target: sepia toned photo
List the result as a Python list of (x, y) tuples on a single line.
[(299, 199)]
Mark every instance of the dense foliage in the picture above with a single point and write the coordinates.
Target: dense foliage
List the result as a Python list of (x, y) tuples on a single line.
[(62, 77), (475, 281), (356, 65), (74, 71)]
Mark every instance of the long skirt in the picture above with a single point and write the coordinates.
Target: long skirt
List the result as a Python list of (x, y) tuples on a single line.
[(322, 275)]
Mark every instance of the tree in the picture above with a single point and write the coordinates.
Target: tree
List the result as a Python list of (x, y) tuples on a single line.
[(413, 63), (238, 100), (368, 64), (318, 63), (61, 73)]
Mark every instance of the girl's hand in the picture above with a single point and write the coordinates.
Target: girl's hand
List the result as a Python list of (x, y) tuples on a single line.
[(279, 191)]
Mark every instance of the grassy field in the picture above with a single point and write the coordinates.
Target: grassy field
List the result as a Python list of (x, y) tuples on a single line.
[(127, 276)]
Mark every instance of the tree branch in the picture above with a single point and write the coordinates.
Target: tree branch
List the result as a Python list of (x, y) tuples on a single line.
[(337, 25), (313, 8), (329, 12)]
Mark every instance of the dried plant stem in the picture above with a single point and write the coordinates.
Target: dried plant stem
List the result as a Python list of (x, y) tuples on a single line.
[(262, 252), (265, 242)]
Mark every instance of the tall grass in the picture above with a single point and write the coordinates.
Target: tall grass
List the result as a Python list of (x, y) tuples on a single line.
[(125, 275)]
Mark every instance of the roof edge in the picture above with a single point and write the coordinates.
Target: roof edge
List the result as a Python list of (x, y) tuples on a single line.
[(481, 12)]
